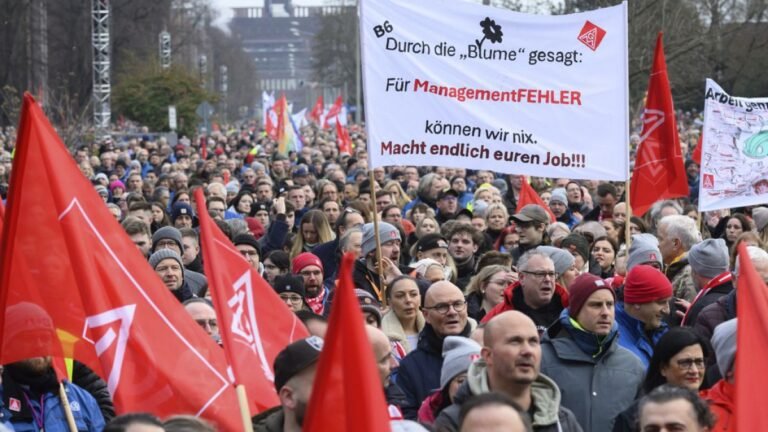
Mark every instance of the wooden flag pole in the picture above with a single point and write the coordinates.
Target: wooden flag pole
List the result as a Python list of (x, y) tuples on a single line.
[(67, 409), (628, 222), (382, 283), (245, 413)]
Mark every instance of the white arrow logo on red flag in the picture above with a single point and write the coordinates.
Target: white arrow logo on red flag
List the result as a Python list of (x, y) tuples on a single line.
[(122, 315), (244, 320)]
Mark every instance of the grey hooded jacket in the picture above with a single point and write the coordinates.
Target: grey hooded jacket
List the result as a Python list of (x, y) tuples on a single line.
[(548, 415)]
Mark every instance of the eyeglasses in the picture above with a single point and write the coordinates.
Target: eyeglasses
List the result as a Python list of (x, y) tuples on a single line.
[(292, 299), (443, 308), (689, 363), (212, 323), (541, 274)]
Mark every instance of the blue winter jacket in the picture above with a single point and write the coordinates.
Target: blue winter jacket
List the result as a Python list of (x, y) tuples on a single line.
[(85, 411), (632, 335)]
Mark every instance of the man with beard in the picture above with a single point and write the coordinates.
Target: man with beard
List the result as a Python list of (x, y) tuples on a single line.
[(445, 313), (295, 369), (509, 364), (365, 273), (310, 268), (31, 392)]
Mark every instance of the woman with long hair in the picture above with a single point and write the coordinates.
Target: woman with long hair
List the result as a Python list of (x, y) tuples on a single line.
[(736, 225), (404, 321), (679, 358), (160, 217), (313, 230), (240, 205), (486, 289), (604, 252), (394, 188)]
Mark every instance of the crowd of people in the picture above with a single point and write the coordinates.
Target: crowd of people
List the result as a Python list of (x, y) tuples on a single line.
[(483, 314)]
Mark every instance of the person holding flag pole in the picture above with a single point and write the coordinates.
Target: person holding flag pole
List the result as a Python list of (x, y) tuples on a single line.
[(380, 266)]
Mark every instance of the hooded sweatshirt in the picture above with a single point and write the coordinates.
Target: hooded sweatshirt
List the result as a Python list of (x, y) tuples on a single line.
[(548, 415)]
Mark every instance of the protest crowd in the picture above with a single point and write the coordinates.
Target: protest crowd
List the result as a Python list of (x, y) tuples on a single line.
[(491, 301), (491, 308)]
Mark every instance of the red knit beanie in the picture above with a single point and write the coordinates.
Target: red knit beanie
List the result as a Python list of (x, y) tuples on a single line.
[(645, 284), (583, 287), (306, 259)]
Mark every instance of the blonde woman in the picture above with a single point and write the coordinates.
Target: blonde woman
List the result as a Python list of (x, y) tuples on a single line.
[(496, 219), (394, 188), (486, 289), (314, 230)]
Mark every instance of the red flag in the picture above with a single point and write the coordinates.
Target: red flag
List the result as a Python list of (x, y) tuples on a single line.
[(529, 196), (345, 144), (255, 324), (659, 169), (752, 344), (696, 156), (317, 110), (333, 111), (72, 277), (270, 128), (2, 218), (347, 395)]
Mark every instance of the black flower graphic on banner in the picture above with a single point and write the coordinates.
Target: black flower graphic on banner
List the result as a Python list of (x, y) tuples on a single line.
[(491, 31)]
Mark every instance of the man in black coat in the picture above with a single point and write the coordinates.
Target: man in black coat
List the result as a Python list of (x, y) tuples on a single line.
[(710, 273)]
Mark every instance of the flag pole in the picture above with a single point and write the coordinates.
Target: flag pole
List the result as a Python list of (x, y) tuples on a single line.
[(628, 222), (245, 413), (383, 284), (67, 409)]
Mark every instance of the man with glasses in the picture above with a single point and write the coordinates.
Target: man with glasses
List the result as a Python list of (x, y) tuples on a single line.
[(445, 313), (310, 268), (536, 294), (201, 310), (291, 291), (170, 238)]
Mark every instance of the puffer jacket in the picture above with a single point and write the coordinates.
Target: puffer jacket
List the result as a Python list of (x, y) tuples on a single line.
[(588, 380), (632, 335), (548, 415), (715, 314)]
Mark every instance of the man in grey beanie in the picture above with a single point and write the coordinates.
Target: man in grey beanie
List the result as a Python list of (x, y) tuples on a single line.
[(170, 268), (644, 250), (721, 396), (365, 274), (711, 276), (558, 203), (169, 237)]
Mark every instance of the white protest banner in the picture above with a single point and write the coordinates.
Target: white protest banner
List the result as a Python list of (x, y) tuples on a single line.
[(734, 151), (457, 84)]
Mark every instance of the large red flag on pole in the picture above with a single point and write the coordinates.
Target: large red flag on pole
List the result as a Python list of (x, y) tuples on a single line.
[(347, 395), (255, 324), (659, 171), (752, 347), (529, 196), (67, 267)]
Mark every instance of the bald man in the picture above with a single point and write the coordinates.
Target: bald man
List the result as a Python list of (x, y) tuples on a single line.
[(509, 364), (445, 313), (385, 362)]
